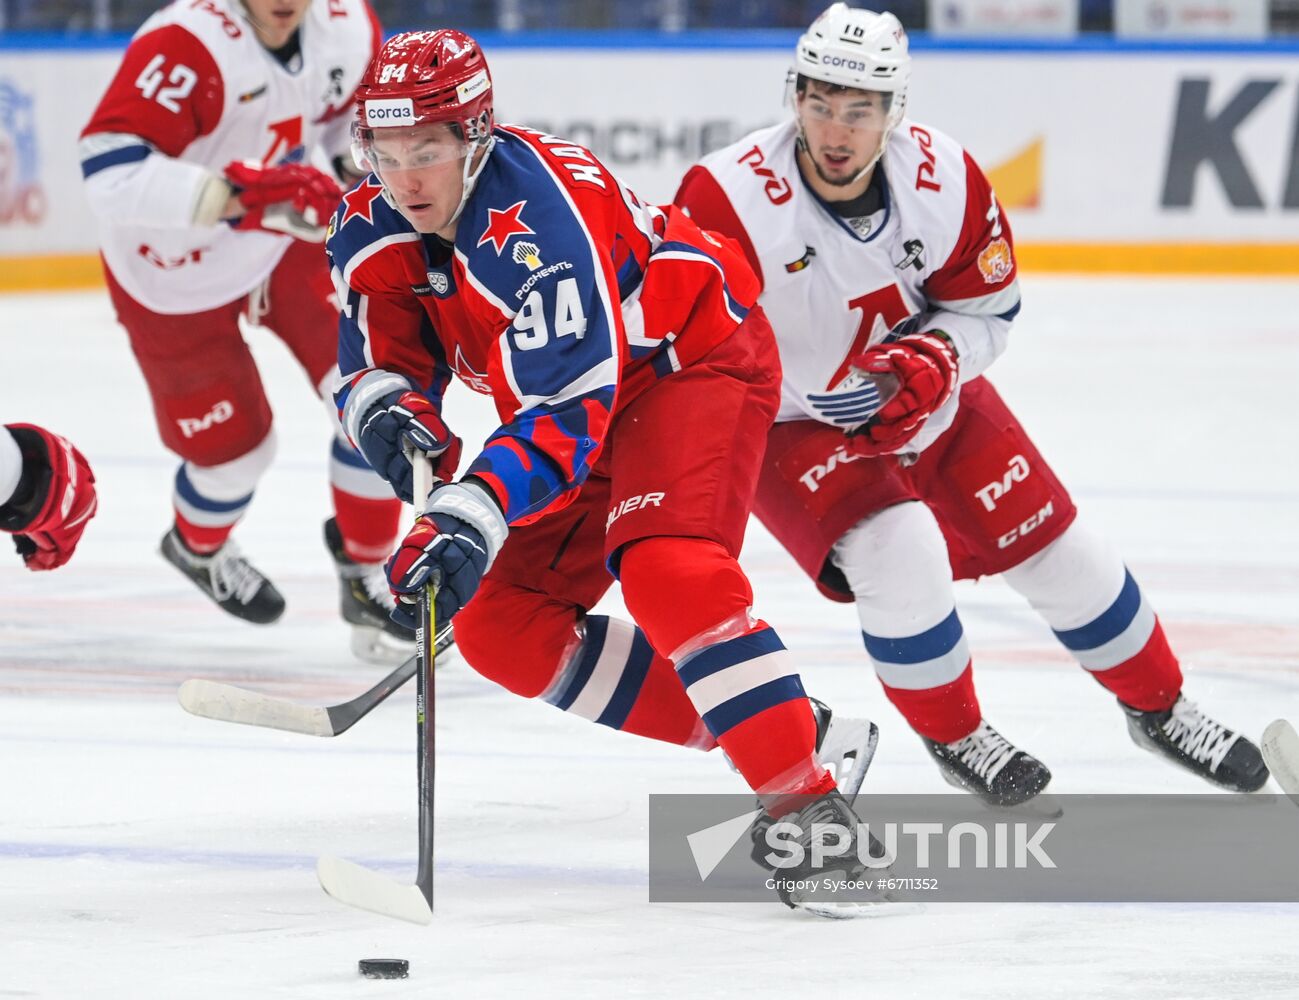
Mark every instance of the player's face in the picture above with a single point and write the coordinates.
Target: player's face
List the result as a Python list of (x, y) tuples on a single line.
[(275, 21), (843, 128), (422, 167)]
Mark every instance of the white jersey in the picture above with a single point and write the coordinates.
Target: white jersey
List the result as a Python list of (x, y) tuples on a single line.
[(196, 90), (937, 256)]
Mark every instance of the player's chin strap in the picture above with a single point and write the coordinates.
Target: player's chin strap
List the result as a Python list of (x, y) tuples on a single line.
[(469, 176), (801, 141)]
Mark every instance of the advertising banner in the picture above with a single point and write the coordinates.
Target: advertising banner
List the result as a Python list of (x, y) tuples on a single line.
[(1190, 18), (1000, 18), (1103, 160)]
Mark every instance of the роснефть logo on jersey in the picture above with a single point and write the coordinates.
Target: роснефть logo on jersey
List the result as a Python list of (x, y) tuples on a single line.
[(527, 253)]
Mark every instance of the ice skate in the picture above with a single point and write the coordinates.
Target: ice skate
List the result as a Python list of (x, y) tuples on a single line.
[(990, 766), (228, 578), (802, 886), (1188, 737), (365, 602)]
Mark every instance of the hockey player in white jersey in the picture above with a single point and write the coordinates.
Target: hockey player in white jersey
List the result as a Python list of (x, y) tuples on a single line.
[(47, 494), (888, 271), (203, 164)]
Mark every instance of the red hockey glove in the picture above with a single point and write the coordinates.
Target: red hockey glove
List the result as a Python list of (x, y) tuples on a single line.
[(925, 366), (290, 199), (54, 500)]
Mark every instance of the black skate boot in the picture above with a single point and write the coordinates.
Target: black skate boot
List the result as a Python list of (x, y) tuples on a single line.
[(846, 748), (801, 886), (990, 766), (365, 602), (226, 577), (1188, 737)]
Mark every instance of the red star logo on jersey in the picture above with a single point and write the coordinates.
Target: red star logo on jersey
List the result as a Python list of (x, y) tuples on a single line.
[(360, 202), (476, 380), (502, 225)]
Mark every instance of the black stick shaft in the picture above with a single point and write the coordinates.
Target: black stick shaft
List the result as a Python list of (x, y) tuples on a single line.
[(425, 735), (425, 649)]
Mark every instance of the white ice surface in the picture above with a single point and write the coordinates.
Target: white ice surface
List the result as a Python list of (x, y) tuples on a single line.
[(145, 853)]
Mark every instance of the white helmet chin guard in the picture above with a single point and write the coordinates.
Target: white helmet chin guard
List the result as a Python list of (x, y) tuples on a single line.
[(857, 48)]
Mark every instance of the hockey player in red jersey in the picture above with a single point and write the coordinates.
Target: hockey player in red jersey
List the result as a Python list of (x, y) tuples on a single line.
[(635, 383), (887, 263), (199, 162), (47, 494)]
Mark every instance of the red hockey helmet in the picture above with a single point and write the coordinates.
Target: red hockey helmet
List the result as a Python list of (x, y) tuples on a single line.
[(420, 85), (422, 77)]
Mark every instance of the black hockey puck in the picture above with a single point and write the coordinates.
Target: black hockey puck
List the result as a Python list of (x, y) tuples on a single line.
[(383, 968)]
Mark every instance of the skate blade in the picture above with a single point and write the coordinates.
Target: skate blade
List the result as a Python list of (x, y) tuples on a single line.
[(374, 645), (1280, 749), (1040, 806), (829, 909), (837, 911)]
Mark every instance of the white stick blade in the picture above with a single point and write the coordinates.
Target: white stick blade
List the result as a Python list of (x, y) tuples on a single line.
[(226, 703), (1280, 748), (368, 890)]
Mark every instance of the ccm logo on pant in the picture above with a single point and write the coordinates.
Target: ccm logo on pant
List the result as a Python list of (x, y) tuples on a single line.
[(633, 503), (1034, 521)]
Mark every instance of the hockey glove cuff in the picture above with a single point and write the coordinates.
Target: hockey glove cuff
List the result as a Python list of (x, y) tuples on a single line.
[(451, 546)]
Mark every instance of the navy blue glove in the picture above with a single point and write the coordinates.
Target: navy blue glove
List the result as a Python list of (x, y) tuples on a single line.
[(452, 545), (401, 420)]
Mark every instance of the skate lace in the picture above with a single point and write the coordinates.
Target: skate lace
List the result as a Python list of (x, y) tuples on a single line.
[(375, 583), (233, 576), (1198, 736), (985, 751)]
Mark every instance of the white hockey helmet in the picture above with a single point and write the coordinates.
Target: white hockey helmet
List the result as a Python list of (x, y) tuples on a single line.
[(862, 49)]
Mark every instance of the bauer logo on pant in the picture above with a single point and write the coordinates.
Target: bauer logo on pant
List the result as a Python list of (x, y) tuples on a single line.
[(632, 504)]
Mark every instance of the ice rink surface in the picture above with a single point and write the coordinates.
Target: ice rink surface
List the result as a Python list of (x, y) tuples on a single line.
[(145, 853)]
